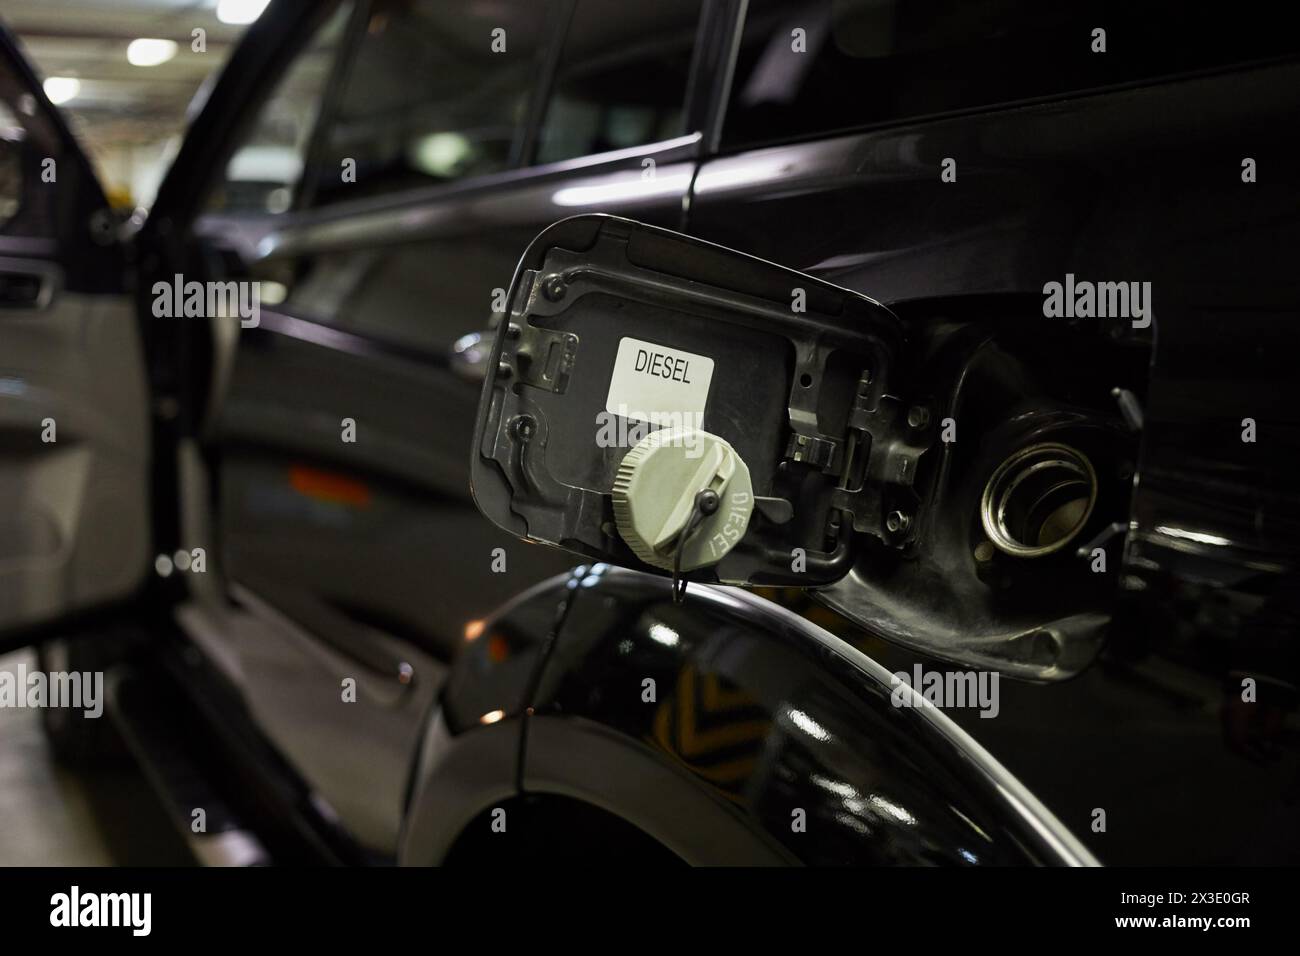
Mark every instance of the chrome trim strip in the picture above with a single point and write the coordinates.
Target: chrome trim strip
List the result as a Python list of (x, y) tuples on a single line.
[(424, 211)]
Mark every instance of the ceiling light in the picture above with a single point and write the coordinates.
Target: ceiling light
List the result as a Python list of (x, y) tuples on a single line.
[(60, 89), (147, 52), (240, 11)]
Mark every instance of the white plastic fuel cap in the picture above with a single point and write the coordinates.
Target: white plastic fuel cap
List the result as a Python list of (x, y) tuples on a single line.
[(654, 497)]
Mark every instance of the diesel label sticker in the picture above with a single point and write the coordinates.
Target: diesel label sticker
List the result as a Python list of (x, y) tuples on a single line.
[(653, 383)]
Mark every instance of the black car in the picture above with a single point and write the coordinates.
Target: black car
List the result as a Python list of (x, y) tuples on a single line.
[(973, 539)]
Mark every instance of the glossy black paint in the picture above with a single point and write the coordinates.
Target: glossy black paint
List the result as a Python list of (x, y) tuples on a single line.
[(1125, 184), (761, 739), (381, 294), (1129, 184), (470, 758), (1144, 183), (377, 536)]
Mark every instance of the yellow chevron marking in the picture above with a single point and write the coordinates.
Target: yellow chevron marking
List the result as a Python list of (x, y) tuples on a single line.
[(717, 698), (695, 742)]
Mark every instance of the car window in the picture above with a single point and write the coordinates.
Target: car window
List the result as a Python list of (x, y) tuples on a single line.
[(40, 171), (814, 66), (621, 79), (11, 166), (266, 169), (436, 92)]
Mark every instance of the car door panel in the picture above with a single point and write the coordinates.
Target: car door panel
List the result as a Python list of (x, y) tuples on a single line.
[(76, 517), (74, 400), (378, 689), (340, 442), (413, 415)]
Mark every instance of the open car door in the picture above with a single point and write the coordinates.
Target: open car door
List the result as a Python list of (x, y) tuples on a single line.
[(74, 406)]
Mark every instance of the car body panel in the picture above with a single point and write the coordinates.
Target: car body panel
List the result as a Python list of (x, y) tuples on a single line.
[(342, 532), (1136, 184), (365, 561), (762, 739)]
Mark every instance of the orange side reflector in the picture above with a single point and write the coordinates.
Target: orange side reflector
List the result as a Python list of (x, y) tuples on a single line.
[(326, 486)]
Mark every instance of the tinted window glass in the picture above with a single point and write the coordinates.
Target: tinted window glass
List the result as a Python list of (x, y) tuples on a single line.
[(437, 91), (31, 151), (264, 173), (877, 61), (622, 77), (11, 167)]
